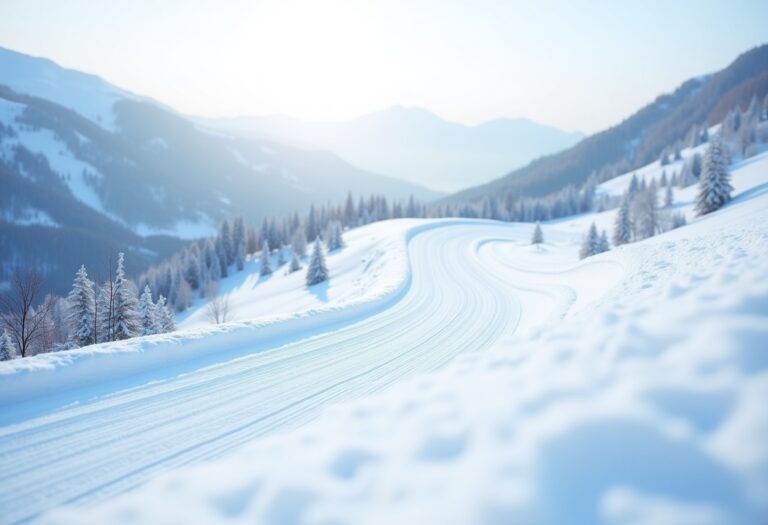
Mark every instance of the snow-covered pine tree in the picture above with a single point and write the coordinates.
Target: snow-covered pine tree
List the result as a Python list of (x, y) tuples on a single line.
[(715, 183), (299, 242), (589, 245), (147, 313), (240, 257), (227, 248), (295, 265), (634, 186), (312, 229), (238, 238), (765, 108), (669, 197), (164, 317), (622, 227), (602, 243), (281, 255), (126, 318), (645, 217), (686, 177), (211, 261), (317, 271), (664, 158), (266, 264), (221, 253), (678, 219), (82, 302), (333, 236), (7, 348), (538, 236), (696, 165), (105, 306), (350, 215), (191, 266), (663, 180)]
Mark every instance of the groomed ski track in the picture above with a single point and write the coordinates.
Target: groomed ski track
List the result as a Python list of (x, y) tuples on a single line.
[(462, 295)]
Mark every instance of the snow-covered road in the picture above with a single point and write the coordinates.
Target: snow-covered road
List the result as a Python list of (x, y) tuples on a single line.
[(462, 296)]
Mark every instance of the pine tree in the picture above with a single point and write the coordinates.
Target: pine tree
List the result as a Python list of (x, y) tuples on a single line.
[(82, 303), (221, 254), (589, 245), (105, 307), (602, 243), (633, 185), (266, 265), (696, 165), (164, 321), (211, 260), (147, 313), (192, 269), (350, 215), (240, 258), (765, 108), (126, 318), (317, 271), (299, 242), (295, 265), (312, 229), (227, 248), (281, 255), (333, 236), (7, 348), (622, 227), (239, 241), (538, 236), (668, 197), (715, 184)]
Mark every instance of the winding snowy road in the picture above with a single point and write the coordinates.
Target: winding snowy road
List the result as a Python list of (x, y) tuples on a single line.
[(463, 296)]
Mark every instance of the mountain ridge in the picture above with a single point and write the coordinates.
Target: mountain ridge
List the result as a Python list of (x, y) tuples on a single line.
[(413, 143), (642, 136)]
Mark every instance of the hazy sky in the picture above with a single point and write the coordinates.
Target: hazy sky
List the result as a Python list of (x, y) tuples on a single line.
[(576, 65)]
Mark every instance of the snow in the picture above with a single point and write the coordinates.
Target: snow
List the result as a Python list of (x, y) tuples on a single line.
[(28, 216), (87, 95), (62, 161), (9, 111), (242, 159), (180, 229), (449, 372)]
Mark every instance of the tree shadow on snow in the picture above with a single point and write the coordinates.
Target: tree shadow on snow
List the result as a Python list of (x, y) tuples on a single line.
[(320, 291), (262, 279)]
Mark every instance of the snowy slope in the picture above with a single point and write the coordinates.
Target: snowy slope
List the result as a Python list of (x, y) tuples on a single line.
[(595, 402), (86, 94)]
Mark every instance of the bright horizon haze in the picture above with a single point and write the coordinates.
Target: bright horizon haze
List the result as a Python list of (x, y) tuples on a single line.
[(576, 67)]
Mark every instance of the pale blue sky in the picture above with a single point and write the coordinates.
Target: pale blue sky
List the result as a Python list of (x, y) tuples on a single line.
[(577, 65)]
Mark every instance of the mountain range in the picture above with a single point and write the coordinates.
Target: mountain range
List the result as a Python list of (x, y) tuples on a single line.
[(414, 144), (640, 138), (88, 168)]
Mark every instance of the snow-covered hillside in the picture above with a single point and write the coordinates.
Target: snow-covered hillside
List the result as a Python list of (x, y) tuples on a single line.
[(450, 372), (86, 94)]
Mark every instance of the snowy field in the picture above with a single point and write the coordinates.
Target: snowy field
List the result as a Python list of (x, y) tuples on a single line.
[(449, 373)]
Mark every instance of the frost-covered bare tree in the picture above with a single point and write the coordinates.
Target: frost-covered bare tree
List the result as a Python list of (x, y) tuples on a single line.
[(22, 317), (218, 305)]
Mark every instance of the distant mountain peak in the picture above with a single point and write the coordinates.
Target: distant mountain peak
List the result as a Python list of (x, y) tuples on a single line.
[(415, 144)]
